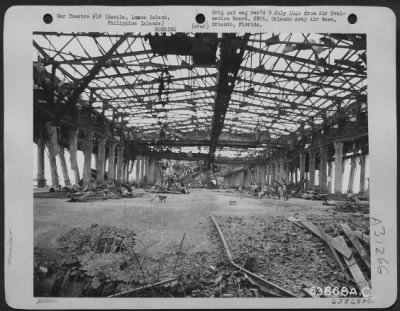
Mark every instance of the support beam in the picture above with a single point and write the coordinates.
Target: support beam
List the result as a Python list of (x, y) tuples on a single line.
[(101, 155), (281, 170), (125, 166), (127, 171), (302, 166), (87, 153), (311, 169), (330, 176), (120, 163), (111, 161), (138, 170), (263, 175), (147, 170), (231, 56), (150, 173), (132, 163), (90, 75), (338, 168), (362, 173), (41, 180), (142, 161), (73, 149), (352, 172), (323, 167), (64, 168), (52, 146)]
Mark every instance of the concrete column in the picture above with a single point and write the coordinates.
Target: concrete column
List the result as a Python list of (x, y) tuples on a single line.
[(73, 149), (120, 162), (281, 169), (87, 152), (323, 169), (150, 173), (52, 146), (64, 168), (338, 168), (101, 155), (287, 173), (138, 170), (302, 166), (273, 172), (41, 180), (362, 173), (125, 166), (111, 161), (131, 166), (263, 175), (351, 175), (155, 172), (142, 163), (330, 177), (311, 167), (128, 170), (147, 170)]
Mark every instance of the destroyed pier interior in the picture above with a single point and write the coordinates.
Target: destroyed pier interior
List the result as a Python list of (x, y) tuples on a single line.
[(200, 164)]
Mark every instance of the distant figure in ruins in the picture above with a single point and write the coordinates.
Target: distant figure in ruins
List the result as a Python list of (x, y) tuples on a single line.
[(285, 192)]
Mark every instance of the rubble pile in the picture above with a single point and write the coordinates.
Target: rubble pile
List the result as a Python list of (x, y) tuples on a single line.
[(287, 251), (88, 262), (110, 190), (287, 254)]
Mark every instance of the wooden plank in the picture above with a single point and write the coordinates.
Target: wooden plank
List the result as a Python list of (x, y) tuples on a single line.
[(362, 236), (346, 252), (295, 221), (357, 245), (355, 270), (331, 248)]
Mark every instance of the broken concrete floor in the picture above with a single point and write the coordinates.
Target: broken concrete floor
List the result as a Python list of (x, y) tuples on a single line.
[(257, 232)]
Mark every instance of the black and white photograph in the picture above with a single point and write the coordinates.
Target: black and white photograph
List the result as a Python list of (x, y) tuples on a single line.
[(200, 164)]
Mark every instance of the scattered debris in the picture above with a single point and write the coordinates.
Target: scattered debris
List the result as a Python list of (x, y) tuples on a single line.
[(273, 287)]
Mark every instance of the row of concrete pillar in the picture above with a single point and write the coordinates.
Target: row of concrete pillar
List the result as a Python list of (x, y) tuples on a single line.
[(147, 171), (284, 171), (116, 168), (119, 168)]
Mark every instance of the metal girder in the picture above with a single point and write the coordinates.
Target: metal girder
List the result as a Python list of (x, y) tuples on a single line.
[(206, 142), (231, 56), (91, 74), (202, 156), (303, 60), (95, 59), (153, 82), (273, 73), (206, 88)]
